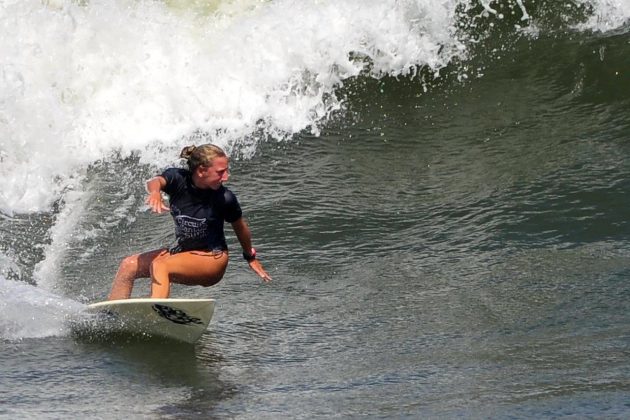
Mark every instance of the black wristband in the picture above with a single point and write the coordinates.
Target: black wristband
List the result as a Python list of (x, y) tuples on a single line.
[(251, 256)]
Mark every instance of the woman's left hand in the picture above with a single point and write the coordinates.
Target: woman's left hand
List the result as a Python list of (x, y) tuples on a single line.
[(258, 268)]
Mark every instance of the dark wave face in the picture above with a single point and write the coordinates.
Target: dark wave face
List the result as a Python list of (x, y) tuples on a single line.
[(439, 191)]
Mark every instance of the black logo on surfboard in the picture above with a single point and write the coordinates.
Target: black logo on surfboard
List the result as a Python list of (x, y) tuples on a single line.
[(175, 315)]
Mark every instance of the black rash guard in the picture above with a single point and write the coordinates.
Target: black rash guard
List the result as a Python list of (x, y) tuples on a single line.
[(199, 213)]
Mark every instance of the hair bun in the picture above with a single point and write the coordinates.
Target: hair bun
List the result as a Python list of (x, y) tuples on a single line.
[(187, 152), (201, 156)]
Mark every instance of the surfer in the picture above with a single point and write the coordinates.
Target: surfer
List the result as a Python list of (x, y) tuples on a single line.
[(199, 204)]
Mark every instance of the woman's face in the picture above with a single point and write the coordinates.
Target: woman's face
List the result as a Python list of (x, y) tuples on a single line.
[(213, 176)]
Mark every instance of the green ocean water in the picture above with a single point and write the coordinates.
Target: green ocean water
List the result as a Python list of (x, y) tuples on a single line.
[(441, 246)]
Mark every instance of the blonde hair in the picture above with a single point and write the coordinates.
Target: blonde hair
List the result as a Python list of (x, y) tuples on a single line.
[(201, 155)]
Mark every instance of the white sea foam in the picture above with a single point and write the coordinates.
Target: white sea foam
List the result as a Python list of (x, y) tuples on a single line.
[(30, 312), (80, 81), (607, 15), (62, 234)]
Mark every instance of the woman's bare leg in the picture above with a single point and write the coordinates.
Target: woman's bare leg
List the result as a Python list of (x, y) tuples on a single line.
[(130, 269), (197, 268)]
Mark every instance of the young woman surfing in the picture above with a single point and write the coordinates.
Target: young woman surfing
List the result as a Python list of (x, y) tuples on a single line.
[(199, 204)]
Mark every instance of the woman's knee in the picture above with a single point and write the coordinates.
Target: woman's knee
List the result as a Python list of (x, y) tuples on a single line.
[(129, 265), (137, 265), (158, 266)]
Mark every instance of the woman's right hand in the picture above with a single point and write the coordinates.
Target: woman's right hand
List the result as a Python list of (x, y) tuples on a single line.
[(155, 202)]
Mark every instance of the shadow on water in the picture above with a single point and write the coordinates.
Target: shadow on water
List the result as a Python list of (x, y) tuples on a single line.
[(191, 372)]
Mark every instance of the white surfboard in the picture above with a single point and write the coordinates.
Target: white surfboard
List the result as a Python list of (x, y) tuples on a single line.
[(178, 319)]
